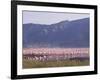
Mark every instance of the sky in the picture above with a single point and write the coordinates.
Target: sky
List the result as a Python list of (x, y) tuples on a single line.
[(40, 17)]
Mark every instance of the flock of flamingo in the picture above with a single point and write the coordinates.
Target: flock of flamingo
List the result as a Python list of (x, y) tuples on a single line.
[(51, 54)]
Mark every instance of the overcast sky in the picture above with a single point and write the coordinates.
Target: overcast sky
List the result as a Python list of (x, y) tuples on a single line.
[(50, 17)]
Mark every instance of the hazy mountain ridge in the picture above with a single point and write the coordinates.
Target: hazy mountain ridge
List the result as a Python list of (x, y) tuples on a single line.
[(62, 34)]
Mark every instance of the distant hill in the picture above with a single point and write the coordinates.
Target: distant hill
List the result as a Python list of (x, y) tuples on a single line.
[(63, 34)]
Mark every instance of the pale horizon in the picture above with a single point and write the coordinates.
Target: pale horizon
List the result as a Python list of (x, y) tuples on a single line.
[(48, 18)]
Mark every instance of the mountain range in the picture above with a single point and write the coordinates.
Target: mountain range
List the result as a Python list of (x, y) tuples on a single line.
[(65, 34)]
